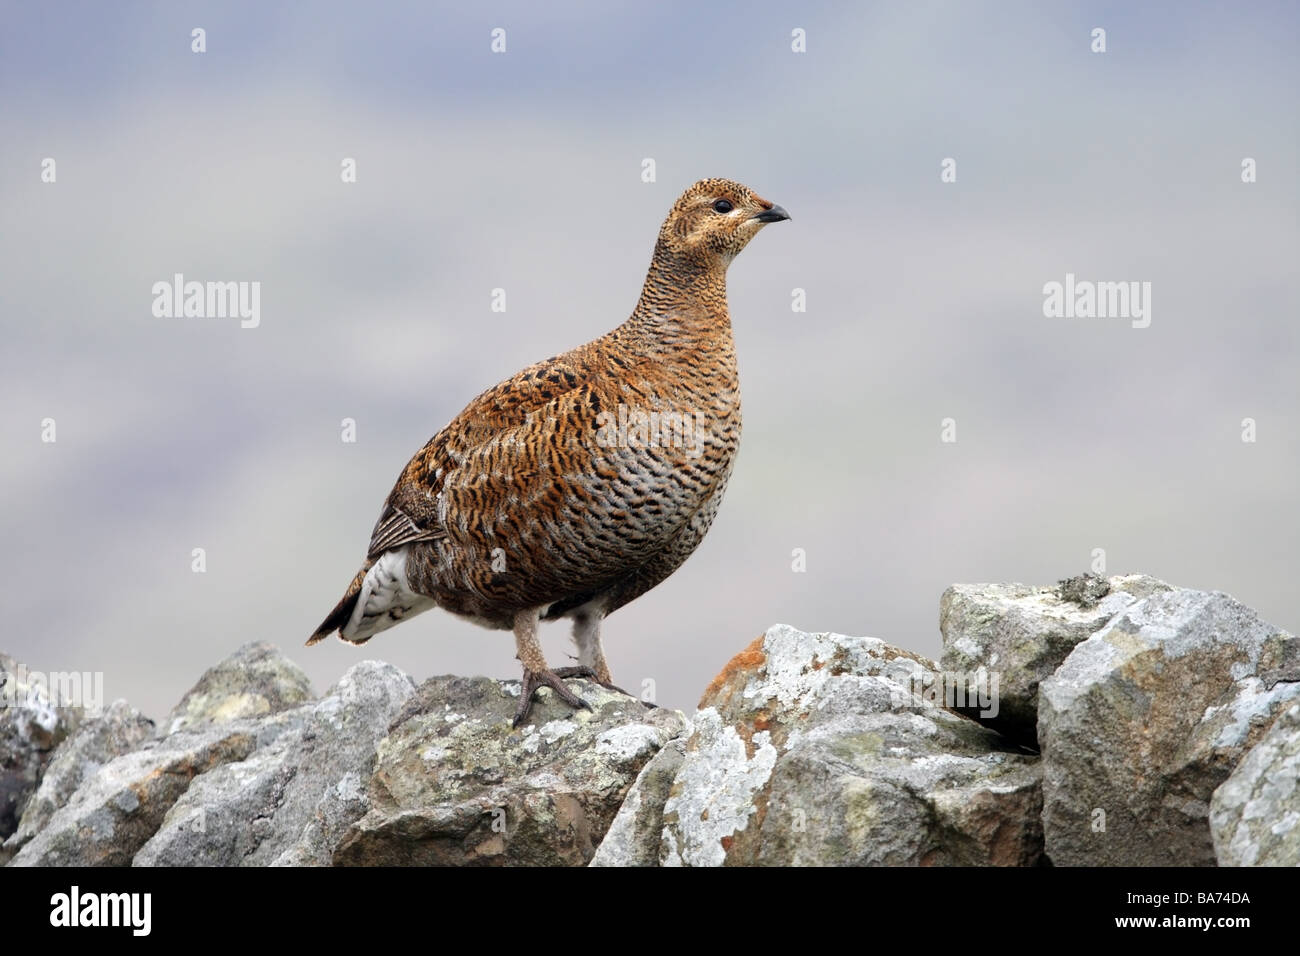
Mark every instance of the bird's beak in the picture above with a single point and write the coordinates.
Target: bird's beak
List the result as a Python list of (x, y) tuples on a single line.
[(773, 214)]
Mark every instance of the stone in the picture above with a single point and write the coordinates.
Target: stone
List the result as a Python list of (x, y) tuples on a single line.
[(455, 784), (1021, 634), (32, 725), (290, 801), (1255, 813), (1147, 718), (94, 743), (634, 837), (116, 810), (822, 749), (254, 681)]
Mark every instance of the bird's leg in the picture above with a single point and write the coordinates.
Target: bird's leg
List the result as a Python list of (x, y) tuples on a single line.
[(536, 674), (586, 635)]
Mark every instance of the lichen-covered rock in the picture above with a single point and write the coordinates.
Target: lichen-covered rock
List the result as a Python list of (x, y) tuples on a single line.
[(290, 800), (120, 729), (635, 835), (337, 758), (114, 812), (1022, 634), (454, 783), (238, 707), (1255, 813), (31, 726), (254, 681), (819, 749), (808, 749), (1146, 718)]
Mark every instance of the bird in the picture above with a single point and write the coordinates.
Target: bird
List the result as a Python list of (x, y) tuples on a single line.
[(583, 481)]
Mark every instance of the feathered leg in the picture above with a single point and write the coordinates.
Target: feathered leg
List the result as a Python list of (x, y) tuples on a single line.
[(586, 635), (536, 674)]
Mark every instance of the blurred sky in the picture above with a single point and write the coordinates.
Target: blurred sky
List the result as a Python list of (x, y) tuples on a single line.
[(522, 170)]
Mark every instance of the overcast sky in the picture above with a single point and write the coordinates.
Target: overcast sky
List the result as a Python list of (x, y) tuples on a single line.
[(522, 170)]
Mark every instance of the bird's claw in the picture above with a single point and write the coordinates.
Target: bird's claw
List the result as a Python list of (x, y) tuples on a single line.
[(535, 680)]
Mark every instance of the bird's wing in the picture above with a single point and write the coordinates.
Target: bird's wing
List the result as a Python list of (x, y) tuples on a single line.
[(395, 528), (561, 502), (537, 497), (414, 511)]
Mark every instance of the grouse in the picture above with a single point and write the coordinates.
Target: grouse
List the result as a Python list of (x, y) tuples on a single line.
[(583, 481)]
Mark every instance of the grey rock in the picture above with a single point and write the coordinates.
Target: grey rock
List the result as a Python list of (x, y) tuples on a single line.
[(1021, 634), (118, 808), (338, 757), (1255, 813), (822, 749), (1170, 734), (634, 837), (289, 801), (226, 813), (1146, 718), (32, 725), (454, 783), (94, 743), (254, 681)]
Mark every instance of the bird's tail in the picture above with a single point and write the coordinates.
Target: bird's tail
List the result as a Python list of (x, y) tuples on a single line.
[(378, 597), (338, 618)]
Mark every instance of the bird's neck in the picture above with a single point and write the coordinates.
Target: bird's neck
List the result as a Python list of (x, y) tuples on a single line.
[(683, 305)]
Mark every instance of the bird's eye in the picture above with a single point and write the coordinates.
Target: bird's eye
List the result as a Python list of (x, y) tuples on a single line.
[(722, 205)]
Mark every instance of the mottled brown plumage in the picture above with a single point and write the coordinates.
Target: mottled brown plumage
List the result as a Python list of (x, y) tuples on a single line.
[(583, 481)]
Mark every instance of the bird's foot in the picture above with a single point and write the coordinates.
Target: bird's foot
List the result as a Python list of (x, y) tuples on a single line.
[(535, 680)]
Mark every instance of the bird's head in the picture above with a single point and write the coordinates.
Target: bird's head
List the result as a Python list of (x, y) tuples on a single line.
[(713, 221)]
